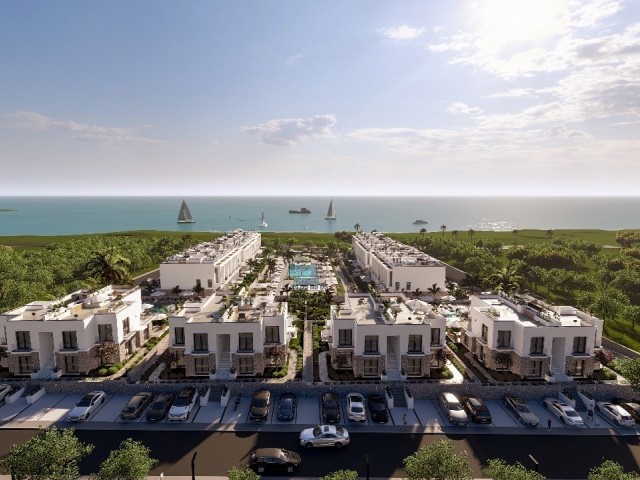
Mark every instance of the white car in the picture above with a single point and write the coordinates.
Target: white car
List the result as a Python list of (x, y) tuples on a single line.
[(4, 390), (453, 408), (183, 404), (615, 413), (324, 436), (86, 406), (563, 411), (355, 407)]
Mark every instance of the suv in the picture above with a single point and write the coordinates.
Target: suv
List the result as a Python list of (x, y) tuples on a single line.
[(522, 411), (451, 406), (183, 404), (259, 409), (330, 408), (355, 407), (274, 459), (137, 404), (378, 409), (477, 410)]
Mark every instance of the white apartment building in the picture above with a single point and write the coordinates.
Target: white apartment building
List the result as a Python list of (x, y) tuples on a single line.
[(529, 339), (396, 266), (210, 264), (47, 339), (370, 338), (215, 338)]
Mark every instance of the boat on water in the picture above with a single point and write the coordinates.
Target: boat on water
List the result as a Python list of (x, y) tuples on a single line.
[(185, 215), (331, 213), (263, 223), (417, 221), (302, 210)]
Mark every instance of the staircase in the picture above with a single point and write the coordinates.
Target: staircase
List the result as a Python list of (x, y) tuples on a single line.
[(223, 360), (558, 375), (46, 371), (393, 369), (399, 401)]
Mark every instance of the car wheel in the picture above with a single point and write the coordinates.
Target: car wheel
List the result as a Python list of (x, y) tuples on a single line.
[(308, 445), (338, 445), (290, 469), (260, 469)]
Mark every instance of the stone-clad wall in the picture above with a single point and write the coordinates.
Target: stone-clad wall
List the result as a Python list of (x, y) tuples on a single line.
[(337, 352), (589, 365), (87, 361), (190, 363), (259, 362), (358, 365), (425, 364), (14, 366)]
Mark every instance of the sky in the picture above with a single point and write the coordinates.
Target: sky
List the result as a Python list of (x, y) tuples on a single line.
[(301, 97)]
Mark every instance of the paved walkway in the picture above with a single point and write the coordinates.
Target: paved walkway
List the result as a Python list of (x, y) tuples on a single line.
[(307, 352)]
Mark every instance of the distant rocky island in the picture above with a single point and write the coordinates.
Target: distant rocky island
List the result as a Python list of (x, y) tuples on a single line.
[(8, 210)]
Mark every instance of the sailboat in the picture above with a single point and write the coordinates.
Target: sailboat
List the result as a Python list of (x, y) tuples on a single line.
[(263, 223), (185, 215), (331, 214)]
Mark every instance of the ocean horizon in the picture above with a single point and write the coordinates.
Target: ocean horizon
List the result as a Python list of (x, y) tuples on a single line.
[(30, 215)]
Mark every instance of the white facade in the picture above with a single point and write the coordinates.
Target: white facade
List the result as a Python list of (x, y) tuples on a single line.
[(214, 337), (396, 266), (210, 264)]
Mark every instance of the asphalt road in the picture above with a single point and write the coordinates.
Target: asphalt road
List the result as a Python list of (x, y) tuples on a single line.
[(560, 456)]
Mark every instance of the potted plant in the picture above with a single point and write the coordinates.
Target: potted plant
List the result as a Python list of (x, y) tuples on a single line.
[(403, 373), (232, 373), (204, 396), (383, 376), (225, 396), (35, 394)]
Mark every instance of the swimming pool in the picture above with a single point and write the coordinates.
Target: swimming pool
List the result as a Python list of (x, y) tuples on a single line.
[(304, 274)]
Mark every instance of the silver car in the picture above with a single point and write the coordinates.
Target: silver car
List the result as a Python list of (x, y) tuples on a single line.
[(86, 406), (452, 407), (522, 411), (616, 413), (324, 436)]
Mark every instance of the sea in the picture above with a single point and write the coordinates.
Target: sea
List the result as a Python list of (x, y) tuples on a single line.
[(77, 215)]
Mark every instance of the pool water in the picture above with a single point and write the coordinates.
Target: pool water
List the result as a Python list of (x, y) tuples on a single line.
[(302, 270)]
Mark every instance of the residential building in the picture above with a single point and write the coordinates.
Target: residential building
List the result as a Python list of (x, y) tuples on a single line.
[(47, 339), (395, 266), (532, 339), (215, 338), (210, 264), (372, 338)]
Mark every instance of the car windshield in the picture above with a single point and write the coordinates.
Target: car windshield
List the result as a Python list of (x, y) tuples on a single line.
[(572, 413), (259, 402), (340, 430), (317, 431), (157, 405), (455, 406), (286, 404), (330, 404), (181, 401), (86, 401), (357, 409), (522, 408)]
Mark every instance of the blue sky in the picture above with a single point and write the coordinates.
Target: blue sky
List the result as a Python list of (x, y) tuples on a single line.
[(476, 97)]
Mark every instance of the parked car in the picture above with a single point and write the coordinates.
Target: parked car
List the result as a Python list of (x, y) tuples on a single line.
[(136, 405), (259, 409), (355, 407), (378, 409), (324, 436), (160, 407), (616, 413), (563, 411), (330, 408), (477, 410), (86, 406), (4, 390), (453, 409), (183, 404), (522, 411), (632, 407), (274, 459), (287, 406)]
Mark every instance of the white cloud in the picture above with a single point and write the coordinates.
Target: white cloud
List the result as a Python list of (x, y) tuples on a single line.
[(403, 32), (513, 93), (103, 135), (561, 131), (293, 131), (293, 59), (459, 107)]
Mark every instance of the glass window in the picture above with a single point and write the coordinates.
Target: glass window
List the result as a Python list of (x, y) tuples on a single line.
[(536, 368), (415, 343), (179, 335), (105, 333), (272, 334), (485, 333), (125, 326), (435, 337), (579, 344), (245, 364), (504, 338), (201, 365), (537, 345), (371, 366), (71, 364), (413, 366), (408, 286), (23, 340), (24, 364), (209, 283), (69, 340), (200, 342), (344, 338), (245, 342), (198, 282), (579, 368), (371, 344), (397, 286)]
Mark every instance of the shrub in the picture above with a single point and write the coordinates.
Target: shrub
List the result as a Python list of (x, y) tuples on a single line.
[(294, 342), (452, 346), (112, 370), (103, 372)]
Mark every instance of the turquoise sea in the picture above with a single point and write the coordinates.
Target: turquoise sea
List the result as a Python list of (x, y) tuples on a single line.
[(73, 215)]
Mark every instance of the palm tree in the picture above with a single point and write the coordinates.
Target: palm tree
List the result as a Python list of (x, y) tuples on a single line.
[(417, 292), (423, 231), (356, 227), (507, 279), (443, 228), (549, 233), (187, 240), (271, 264), (472, 280), (455, 233), (291, 241), (470, 232), (308, 244), (287, 288), (109, 266), (515, 233)]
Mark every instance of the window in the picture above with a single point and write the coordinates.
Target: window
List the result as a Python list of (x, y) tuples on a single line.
[(537, 345), (71, 364), (272, 334), (579, 344), (245, 365), (414, 365), (209, 283), (415, 344), (69, 340), (125, 326), (24, 363), (178, 334), (485, 333), (371, 344), (201, 365), (579, 368), (344, 338), (397, 286), (408, 286), (200, 342), (370, 367), (435, 337), (536, 368), (504, 338), (105, 333), (245, 343), (24, 340), (198, 282)]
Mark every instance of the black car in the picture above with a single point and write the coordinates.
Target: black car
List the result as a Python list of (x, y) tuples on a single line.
[(378, 409), (287, 406), (137, 404), (330, 408), (274, 459), (259, 409), (477, 410), (160, 406), (631, 406)]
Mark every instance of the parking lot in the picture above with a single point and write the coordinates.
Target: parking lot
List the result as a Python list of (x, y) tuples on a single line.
[(427, 416)]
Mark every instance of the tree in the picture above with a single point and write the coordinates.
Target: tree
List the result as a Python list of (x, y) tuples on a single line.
[(356, 227), (506, 279), (630, 369), (443, 228), (549, 233), (51, 455), (498, 469), (628, 238), (503, 359), (417, 292), (107, 352), (187, 240), (515, 233), (631, 313), (471, 232), (438, 461), (131, 461), (606, 303), (276, 353), (198, 290), (341, 475), (455, 233), (610, 470), (423, 231), (434, 289), (109, 267), (245, 474)]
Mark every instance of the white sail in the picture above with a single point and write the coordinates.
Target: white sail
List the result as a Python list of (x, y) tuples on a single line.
[(263, 223), (331, 214), (185, 215)]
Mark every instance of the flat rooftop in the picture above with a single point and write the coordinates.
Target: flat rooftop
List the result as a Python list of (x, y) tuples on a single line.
[(364, 311)]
